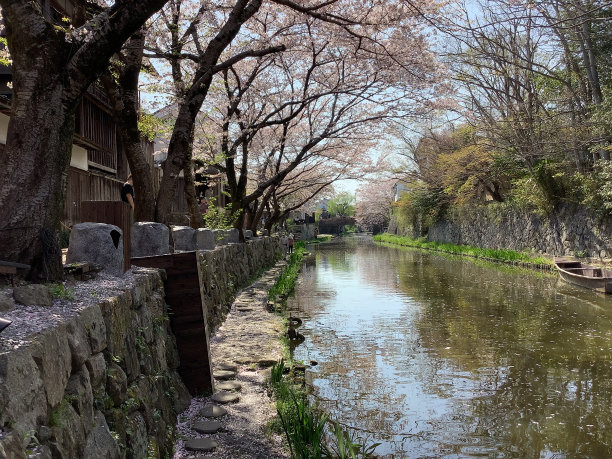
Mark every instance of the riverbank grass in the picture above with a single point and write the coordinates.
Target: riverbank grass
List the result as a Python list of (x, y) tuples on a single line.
[(500, 255), (285, 284), (310, 433)]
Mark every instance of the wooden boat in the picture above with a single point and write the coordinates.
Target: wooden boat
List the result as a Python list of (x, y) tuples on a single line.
[(578, 273)]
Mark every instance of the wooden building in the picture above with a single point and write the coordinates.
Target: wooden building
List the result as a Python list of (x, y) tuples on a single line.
[(98, 167)]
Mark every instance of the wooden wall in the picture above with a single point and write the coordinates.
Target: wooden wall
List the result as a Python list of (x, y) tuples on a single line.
[(180, 203), (88, 186), (93, 186)]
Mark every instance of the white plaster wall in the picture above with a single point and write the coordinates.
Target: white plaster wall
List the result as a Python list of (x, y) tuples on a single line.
[(79, 154), (79, 157), (4, 120)]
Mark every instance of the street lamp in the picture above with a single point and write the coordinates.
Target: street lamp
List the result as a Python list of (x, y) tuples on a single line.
[(4, 323)]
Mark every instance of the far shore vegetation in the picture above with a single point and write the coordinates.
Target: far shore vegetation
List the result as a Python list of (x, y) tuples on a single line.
[(501, 255)]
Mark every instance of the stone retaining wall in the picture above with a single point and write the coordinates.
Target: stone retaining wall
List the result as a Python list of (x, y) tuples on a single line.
[(571, 230), (101, 383), (230, 268)]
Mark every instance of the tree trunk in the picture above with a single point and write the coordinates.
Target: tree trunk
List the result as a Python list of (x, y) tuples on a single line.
[(181, 144), (125, 105), (50, 74), (195, 216), (33, 175)]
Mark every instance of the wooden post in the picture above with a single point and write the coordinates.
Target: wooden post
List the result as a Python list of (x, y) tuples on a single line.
[(116, 213), (188, 317)]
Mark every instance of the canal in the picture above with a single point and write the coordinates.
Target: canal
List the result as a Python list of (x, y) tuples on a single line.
[(440, 356)]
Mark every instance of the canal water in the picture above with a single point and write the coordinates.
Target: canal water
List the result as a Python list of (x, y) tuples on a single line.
[(441, 356)]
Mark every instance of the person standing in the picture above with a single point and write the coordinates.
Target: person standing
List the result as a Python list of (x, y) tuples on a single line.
[(284, 240), (127, 191), (291, 242)]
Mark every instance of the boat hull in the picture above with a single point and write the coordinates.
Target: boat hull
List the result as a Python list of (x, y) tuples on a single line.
[(586, 276)]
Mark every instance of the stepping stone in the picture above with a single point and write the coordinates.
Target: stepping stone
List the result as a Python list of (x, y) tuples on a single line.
[(267, 362), (244, 309), (243, 360), (225, 397), (228, 385), (224, 374), (203, 445), (213, 411), (227, 367), (207, 427)]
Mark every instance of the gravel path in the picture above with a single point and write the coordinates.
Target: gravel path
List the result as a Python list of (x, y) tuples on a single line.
[(28, 321), (246, 345)]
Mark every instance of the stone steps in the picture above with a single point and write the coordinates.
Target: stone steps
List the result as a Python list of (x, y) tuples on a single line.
[(247, 343)]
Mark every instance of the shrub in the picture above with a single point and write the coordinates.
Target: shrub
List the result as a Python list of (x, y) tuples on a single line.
[(218, 217)]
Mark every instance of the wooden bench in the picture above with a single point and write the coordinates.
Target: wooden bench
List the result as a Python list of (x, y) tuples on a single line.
[(10, 268), (81, 269)]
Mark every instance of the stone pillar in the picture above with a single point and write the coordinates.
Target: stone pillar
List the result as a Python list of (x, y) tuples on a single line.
[(205, 239), (97, 243), (150, 239), (220, 237), (233, 236), (184, 238)]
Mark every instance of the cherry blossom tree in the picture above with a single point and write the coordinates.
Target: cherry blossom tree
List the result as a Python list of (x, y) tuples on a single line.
[(381, 58), (374, 200), (322, 101)]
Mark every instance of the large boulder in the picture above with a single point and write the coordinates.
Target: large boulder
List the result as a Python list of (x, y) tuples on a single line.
[(116, 383), (51, 352), (184, 238), (23, 403), (100, 441), (150, 239), (6, 303), (97, 243), (205, 239), (33, 294)]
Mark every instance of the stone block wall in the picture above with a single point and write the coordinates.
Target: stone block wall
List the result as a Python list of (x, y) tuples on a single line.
[(231, 267), (99, 383), (571, 230)]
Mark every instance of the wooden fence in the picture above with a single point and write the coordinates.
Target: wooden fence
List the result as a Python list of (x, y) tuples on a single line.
[(87, 186), (92, 186), (188, 320)]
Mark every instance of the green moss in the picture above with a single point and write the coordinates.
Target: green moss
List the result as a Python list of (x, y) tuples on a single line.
[(130, 405), (104, 402), (152, 449), (59, 291), (142, 346), (57, 417)]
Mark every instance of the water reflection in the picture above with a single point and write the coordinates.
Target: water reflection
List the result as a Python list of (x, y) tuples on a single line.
[(442, 356)]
